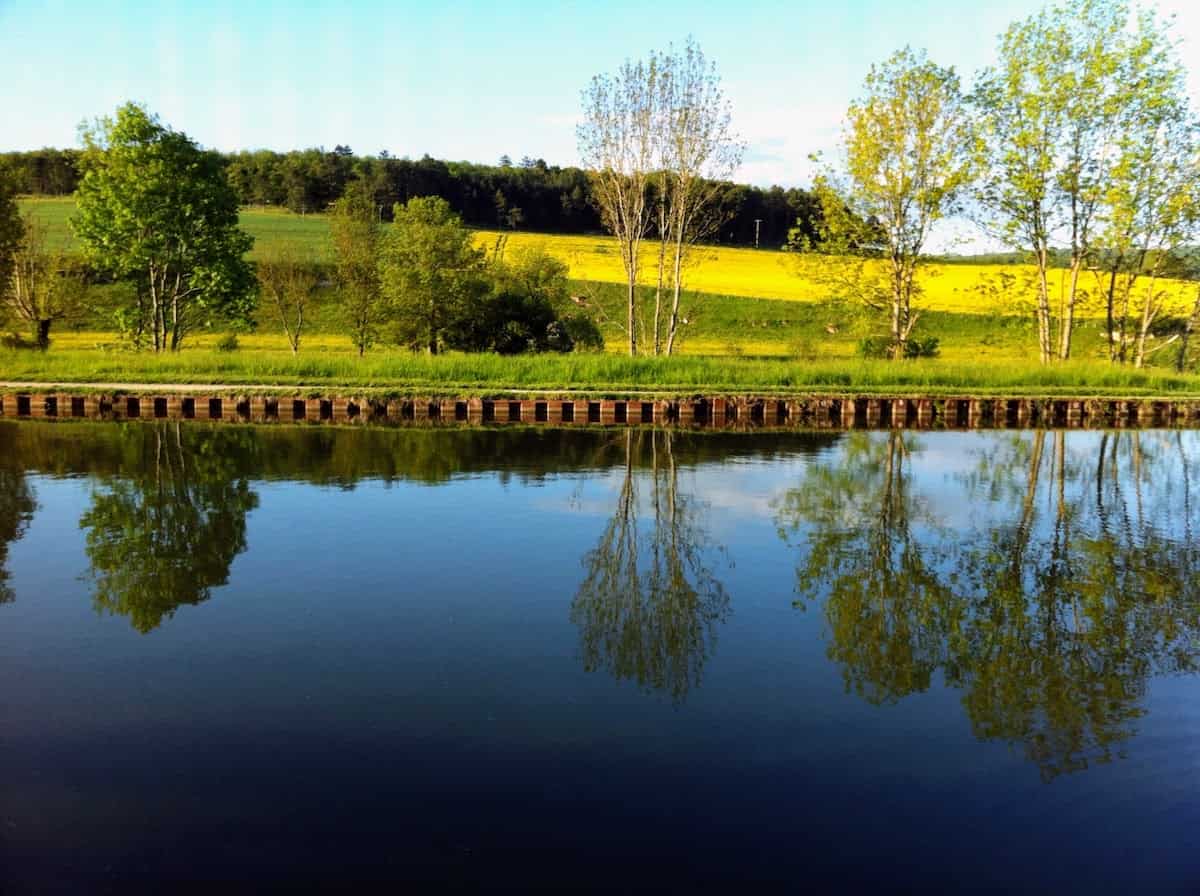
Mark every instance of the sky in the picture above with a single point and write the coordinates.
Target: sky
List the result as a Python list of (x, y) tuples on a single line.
[(470, 81)]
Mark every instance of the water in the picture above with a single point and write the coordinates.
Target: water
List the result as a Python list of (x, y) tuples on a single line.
[(574, 659)]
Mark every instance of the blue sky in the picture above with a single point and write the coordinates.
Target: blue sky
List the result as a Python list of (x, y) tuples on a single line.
[(461, 81)]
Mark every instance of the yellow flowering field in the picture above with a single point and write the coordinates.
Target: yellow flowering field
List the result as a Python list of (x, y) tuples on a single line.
[(761, 273)]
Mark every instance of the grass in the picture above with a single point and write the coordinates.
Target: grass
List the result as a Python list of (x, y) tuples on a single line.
[(402, 372)]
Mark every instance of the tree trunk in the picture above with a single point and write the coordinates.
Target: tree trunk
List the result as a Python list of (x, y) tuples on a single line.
[(676, 289), (1068, 321), (662, 265), (1188, 329), (43, 334), (632, 322), (1110, 321), (1043, 309)]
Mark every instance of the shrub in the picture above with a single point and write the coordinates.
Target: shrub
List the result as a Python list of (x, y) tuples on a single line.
[(880, 347), (585, 336), (922, 348), (227, 343)]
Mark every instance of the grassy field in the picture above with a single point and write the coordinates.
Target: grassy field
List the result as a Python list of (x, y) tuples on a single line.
[(758, 324), (403, 372), (746, 273)]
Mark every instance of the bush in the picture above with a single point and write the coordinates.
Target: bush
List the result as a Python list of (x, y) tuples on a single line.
[(875, 347), (922, 348), (585, 336), (14, 341), (227, 343), (880, 347)]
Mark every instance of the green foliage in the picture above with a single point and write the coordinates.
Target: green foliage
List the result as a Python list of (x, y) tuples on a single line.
[(355, 232), (227, 343), (929, 347), (546, 198), (11, 227), (1047, 617), (431, 273), (519, 313), (157, 210)]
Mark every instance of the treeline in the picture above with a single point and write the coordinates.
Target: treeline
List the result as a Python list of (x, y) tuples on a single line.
[(526, 195)]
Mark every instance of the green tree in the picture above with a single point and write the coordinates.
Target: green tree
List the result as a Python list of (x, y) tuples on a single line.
[(431, 271), (355, 232), (11, 226), (521, 311), (1150, 205), (157, 209), (908, 157), (1052, 110)]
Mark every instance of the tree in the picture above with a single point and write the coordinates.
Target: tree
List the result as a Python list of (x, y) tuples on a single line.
[(697, 152), (430, 270), (289, 277), (520, 312), (355, 233), (44, 287), (617, 144), (11, 226), (1149, 204), (907, 144), (1051, 112), (158, 210)]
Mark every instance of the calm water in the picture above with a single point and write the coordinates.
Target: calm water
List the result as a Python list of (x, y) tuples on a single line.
[(582, 659)]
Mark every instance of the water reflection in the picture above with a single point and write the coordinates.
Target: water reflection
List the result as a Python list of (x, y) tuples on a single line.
[(1047, 584), (1047, 577), (164, 534), (650, 601), (17, 505)]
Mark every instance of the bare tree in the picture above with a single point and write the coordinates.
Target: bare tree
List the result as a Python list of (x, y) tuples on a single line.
[(45, 286), (698, 149), (617, 146), (289, 277)]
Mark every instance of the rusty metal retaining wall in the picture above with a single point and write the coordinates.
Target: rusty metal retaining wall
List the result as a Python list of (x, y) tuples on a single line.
[(817, 412)]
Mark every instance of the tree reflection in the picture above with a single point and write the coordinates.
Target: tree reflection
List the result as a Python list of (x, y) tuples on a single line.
[(1051, 608), (17, 504), (166, 533), (650, 601)]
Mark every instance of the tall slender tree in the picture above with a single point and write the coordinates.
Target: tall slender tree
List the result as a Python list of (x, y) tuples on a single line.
[(11, 226), (355, 232), (1052, 110), (698, 150), (909, 155), (617, 143)]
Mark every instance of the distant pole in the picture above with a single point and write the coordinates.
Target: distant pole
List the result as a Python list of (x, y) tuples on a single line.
[(757, 224)]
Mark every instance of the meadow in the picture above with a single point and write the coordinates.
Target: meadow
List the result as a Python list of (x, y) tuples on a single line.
[(713, 270), (753, 320)]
